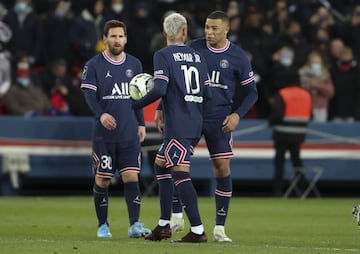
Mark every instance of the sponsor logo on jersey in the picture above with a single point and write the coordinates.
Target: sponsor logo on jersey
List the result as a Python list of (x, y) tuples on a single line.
[(193, 98), (108, 75), (119, 91), (215, 80)]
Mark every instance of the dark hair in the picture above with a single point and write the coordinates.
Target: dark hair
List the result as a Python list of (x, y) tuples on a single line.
[(289, 78), (113, 23), (218, 15)]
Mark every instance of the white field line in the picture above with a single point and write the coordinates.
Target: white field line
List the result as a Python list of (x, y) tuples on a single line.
[(225, 246)]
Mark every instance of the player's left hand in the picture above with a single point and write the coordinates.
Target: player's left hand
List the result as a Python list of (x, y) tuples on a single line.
[(142, 133), (230, 123)]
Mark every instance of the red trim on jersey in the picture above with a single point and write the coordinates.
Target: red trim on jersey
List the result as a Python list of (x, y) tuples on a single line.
[(163, 177)]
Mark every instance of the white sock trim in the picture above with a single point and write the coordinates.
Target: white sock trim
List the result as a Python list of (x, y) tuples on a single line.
[(220, 227), (163, 223), (198, 229), (177, 215)]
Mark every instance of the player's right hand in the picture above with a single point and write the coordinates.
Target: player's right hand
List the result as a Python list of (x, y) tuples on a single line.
[(159, 119), (108, 121)]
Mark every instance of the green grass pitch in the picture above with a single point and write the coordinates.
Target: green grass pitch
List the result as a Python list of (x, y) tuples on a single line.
[(62, 225)]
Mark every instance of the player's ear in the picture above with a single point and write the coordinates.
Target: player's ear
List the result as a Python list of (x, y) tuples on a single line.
[(184, 31), (227, 28)]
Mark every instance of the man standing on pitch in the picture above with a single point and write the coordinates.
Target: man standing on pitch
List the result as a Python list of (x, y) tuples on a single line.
[(118, 128), (231, 73), (181, 79)]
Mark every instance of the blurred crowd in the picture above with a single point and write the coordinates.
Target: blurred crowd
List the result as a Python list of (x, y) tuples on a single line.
[(45, 43)]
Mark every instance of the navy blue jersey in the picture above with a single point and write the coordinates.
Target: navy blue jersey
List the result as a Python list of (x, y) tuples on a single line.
[(106, 86), (186, 75), (228, 68), (180, 78)]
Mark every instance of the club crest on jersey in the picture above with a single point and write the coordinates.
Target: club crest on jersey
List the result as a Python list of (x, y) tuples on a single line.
[(224, 63), (129, 73)]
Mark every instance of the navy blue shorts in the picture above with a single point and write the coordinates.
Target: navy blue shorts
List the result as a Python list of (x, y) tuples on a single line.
[(219, 143), (111, 157), (176, 152)]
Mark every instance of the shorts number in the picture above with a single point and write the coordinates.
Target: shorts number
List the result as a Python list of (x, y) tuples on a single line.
[(106, 162)]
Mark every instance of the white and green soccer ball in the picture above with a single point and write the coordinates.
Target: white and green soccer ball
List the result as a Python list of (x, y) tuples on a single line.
[(140, 85)]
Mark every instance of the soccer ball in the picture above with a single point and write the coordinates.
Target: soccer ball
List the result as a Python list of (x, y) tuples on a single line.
[(140, 85)]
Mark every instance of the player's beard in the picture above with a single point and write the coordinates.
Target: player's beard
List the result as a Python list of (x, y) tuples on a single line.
[(116, 50)]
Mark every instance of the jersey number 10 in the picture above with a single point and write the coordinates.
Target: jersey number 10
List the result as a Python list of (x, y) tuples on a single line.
[(191, 74)]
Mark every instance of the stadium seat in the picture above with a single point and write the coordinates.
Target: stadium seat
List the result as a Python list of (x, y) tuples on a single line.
[(309, 177)]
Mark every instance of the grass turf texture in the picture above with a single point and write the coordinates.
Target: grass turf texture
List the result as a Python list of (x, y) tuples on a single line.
[(59, 225)]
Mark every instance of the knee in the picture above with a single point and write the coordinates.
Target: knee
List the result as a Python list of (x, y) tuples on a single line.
[(127, 177), (222, 172), (221, 169), (102, 182), (159, 163)]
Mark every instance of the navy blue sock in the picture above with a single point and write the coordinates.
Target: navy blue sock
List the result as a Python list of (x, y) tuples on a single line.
[(223, 193), (101, 203), (188, 196), (166, 188), (133, 200), (176, 202)]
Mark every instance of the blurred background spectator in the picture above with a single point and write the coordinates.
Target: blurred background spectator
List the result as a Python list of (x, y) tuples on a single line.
[(66, 98), (336, 45), (117, 9), (27, 33), (5, 74), (56, 32), (86, 31), (315, 77), (140, 31), (278, 36), (282, 63), (352, 35), (345, 75), (24, 97)]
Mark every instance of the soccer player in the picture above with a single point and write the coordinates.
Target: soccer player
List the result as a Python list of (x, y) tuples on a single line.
[(231, 73), (180, 78), (118, 128)]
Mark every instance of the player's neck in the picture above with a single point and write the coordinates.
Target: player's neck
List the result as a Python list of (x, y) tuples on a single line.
[(174, 42), (116, 58), (221, 44)]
